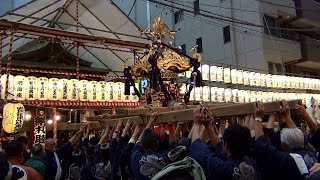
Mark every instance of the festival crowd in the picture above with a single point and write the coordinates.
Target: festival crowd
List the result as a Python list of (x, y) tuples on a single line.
[(240, 148)]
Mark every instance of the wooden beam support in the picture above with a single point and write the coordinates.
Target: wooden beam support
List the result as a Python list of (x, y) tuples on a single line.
[(143, 110), (54, 33)]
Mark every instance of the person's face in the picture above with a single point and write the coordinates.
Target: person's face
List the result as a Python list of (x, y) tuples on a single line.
[(50, 146)]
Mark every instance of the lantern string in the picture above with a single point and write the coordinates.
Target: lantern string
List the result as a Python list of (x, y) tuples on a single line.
[(9, 65)]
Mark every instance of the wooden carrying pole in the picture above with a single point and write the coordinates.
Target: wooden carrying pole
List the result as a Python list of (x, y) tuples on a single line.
[(218, 111)]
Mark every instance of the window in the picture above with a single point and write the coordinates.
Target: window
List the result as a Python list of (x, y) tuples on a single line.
[(270, 22), (183, 49), (178, 16), (199, 44), (196, 7), (226, 34)]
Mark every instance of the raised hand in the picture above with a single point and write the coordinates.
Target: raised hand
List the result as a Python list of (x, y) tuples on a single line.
[(259, 110), (199, 115)]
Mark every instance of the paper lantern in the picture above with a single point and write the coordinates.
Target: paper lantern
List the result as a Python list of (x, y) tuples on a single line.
[(198, 93), (226, 75), (264, 96), (10, 87), (227, 95), (269, 96), (257, 79), (93, 93), (63, 89), (73, 90), (247, 95), (13, 116), (213, 94), (182, 74), (122, 96), (31, 88), (252, 79), (43, 85), (188, 73), (213, 73), (274, 81), (253, 96), (240, 76), (220, 74), (220, 93), (205, 69), (269, 80), (259, 96), (102, 94), (84, 90), (53, 90), (19, 88), (234, 76), (206, 93), (282, 81), (301, 84), (235, 95), (246, 80), (241, 95), (192, 94), (109, 91), (263, 82)]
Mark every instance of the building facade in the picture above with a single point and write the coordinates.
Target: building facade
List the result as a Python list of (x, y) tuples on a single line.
[(247, 34)]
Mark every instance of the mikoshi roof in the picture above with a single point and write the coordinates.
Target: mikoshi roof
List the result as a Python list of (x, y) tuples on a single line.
[(96, 17)]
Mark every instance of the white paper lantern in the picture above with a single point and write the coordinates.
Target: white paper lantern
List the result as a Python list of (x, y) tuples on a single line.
[(102, 97), (43, 88), (73, 89), (205, 69), (274, 81), (301, 84), (246, 79), (253, 96), (234, 76), (183, 74), (220, 74), (109, 91), (84, 90), (220, 93), (269, 80), (235, 95), (206, 93), (264, 96), (19, 88), (121, 95), (10, 87), (257, 79), (282, 81), (198, 93), (247, 96), (213, 94), (226, 75), (213, 73), (241, 94), (53, 90), (31, 88), (252, 79), (227, 95), (188, 73), (240, 76), (63, 90), (269, 96), (263, 82)]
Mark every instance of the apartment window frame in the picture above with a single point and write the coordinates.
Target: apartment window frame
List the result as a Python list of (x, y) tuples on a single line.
[(196, 7), (199, 44), (226, 34), (178, 16)]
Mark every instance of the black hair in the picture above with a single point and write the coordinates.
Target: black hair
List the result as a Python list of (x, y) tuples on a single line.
[(149, 139), (4, 164), (37, 149), (238, 139), (23, 139), (13, 149), (93, 141)]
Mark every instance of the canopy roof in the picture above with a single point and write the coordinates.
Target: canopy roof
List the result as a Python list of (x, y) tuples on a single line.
[(96, 17)]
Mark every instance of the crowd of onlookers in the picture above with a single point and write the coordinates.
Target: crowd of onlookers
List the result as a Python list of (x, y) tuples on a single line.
[(280, 145)]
